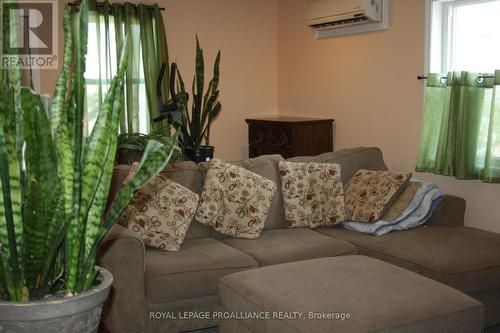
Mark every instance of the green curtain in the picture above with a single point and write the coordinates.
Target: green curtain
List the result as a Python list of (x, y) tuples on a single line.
[(9, 28), (154, 50), (147, 51), (460, 135)]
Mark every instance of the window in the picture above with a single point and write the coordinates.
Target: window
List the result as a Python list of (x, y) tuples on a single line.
[(101, 66), (464, 36), (460, 134)]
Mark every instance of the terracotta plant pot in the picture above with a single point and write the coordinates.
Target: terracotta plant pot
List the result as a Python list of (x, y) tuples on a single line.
[(74, 314)]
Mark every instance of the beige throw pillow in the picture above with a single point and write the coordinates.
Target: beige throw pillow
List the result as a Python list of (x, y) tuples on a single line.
[(312, 193), (370, 193), (235, 201), (160, 213), (402, 201)]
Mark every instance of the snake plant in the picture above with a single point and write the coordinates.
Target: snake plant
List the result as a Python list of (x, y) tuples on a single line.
[(54, 181), (132, 145), (195, 127)]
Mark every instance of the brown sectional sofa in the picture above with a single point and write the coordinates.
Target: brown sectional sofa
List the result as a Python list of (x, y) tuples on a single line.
[(149, 280)]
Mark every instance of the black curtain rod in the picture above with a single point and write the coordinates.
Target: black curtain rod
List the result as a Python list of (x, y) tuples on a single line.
[(479, 79), (100, 4)]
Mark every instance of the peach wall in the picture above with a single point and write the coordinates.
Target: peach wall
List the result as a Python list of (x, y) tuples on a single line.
[(246, 32), (368, 84)]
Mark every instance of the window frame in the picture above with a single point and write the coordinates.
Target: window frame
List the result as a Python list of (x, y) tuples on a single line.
[(144, 112), (440, 12)]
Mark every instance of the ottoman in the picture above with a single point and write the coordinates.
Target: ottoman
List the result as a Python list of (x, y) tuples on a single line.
[(343, 294)]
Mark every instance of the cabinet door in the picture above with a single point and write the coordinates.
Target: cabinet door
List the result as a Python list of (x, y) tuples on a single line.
[(280, 137), (258, 135)]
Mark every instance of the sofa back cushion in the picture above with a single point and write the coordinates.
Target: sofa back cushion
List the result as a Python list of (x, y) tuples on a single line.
[(350, 160), (266, 166), (120, 173), (187, 174), (192, 176)]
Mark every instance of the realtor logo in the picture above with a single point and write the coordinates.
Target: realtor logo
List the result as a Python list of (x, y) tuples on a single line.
[(30, 32)]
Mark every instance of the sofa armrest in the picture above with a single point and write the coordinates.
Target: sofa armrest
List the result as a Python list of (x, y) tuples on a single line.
[(123, 254), (449, 213)]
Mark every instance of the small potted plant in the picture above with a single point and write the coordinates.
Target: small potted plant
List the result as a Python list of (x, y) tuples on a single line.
[(54, 185), (194, 127), (131, 146)]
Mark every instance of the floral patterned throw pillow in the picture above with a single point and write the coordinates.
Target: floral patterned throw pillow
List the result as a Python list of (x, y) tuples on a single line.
[(160, 213), (312, 193), (235, 201), (370, 193)]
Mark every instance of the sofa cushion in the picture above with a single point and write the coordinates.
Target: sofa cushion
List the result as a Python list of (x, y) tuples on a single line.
[(120, 173), (350, 160), (187, 174), (370, 193), (266, 166), (378, 297), (235, 201), (160, 213), (192, 272), (312, 194), (465, 258), (401, 203), (285, 245)]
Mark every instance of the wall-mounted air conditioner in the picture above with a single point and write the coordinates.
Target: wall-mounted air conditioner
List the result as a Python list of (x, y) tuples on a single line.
[(341, 17)]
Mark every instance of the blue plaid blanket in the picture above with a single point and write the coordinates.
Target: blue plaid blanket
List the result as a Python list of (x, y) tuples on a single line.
[(419, 210)]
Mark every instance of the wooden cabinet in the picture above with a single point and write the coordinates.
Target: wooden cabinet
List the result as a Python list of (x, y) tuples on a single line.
[(289, 136)]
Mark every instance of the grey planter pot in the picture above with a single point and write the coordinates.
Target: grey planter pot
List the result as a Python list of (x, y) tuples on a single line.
[(80, 313)]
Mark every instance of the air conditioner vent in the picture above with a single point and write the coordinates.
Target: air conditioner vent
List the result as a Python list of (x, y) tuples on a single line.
[(349, 21)]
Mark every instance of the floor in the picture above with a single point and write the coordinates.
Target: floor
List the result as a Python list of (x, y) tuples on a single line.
[(216, 330), (495, 329)]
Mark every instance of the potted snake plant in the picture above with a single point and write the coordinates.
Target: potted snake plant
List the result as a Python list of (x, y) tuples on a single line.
[(131, 146), (194, 127), (54, 184)]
